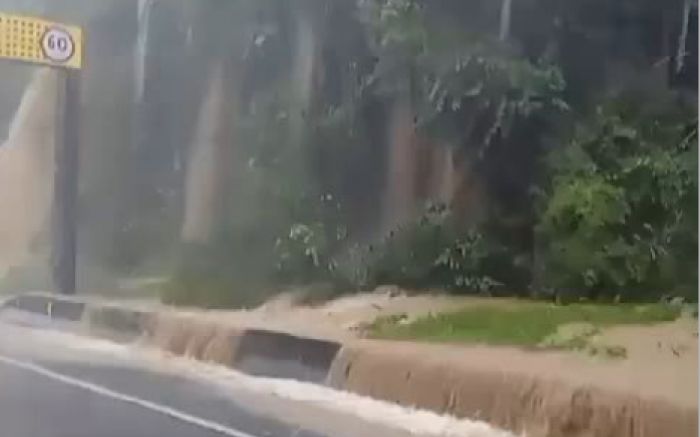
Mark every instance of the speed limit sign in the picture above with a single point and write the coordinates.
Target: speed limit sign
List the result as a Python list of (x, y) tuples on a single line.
[(33, 39), (57, 44)]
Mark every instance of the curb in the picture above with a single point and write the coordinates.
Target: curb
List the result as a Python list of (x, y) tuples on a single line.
[(516, 402), (62, 308), (252, 351), (280, 355)]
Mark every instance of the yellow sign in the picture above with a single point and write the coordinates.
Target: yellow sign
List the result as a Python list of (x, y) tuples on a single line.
[(44, 42)]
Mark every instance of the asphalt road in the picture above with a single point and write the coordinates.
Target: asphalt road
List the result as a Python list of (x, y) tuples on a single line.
[(49, 388)]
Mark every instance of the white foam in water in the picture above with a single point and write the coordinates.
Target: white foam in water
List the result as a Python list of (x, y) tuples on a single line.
[(73, 341), (387, 414), (391, 415)]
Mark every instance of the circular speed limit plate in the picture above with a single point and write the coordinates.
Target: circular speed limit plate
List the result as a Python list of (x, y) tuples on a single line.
[(57, 44)]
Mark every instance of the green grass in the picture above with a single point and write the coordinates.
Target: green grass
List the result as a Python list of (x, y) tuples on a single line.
[(521, 324)]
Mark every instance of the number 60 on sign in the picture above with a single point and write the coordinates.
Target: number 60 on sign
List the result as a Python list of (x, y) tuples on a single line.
[(40, 41)]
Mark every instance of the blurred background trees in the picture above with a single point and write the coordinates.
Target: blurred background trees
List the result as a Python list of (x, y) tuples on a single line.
[(511, 147), (514, 147)]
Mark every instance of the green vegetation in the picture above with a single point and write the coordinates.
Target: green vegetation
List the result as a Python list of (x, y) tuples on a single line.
[(430, 144), (436, 251), (521, 324), (620, 213)]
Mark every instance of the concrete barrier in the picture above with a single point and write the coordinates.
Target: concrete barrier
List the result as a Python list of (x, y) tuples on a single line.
[(58, 307), (35, 304), (280, 355), (252, 351)]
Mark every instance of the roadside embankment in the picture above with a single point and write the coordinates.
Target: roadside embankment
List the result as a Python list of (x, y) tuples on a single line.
[(541, 394), (549, 394)]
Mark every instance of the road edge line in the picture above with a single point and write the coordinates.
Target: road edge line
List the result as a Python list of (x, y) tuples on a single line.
[(122, 397)]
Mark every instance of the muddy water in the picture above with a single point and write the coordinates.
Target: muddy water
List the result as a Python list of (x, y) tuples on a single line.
[(418, 171), (211, 157), (26, 171)]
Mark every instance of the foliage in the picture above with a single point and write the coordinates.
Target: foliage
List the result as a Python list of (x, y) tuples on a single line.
[(465, 259), (491, 93), (285, 235), (620, 212), (436, 252), (616, 212), (233, 273), (306, 253), (466, 88), (524, 324)]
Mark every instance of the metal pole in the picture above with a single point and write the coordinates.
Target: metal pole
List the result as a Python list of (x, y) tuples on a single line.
[(66, 181)]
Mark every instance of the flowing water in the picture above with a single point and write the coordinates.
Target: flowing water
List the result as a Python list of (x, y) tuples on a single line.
[(27, 171)]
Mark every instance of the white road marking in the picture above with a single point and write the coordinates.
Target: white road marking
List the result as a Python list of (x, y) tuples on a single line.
[(106, 392), (231, 382)]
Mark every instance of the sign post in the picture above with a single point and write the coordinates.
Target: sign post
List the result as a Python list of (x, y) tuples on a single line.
[(60, 46), (66, 184)]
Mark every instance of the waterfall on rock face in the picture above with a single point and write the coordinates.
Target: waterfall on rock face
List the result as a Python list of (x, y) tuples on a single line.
[(681, 54), (26, 170), (207, 161), (468, 197), (399, 192), (303, 74), (144, 9), (419, 172), (442, 174), (504, 29)]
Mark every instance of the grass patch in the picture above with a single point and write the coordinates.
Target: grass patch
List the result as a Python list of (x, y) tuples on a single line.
[(523, 324)]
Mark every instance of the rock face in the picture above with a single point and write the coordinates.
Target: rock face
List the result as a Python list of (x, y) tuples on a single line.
[(27, 171)]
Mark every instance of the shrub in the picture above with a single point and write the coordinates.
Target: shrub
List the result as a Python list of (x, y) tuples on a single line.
[(214, 276), (619, 216), (304, 255), (436, 252)]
